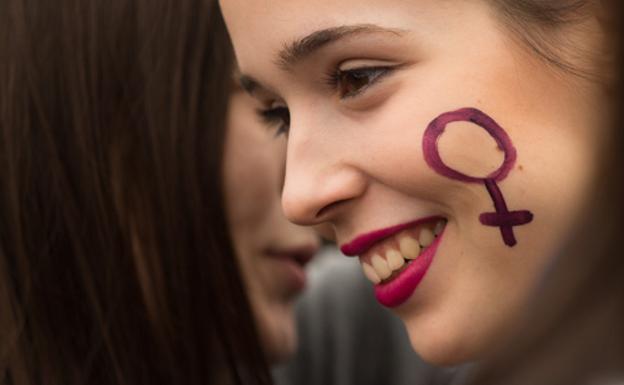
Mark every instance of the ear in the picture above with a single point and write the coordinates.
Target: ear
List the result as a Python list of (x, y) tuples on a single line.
[(606, 12)]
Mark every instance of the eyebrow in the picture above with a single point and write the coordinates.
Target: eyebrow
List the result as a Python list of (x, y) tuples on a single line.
[(299, 49), (248, 83)]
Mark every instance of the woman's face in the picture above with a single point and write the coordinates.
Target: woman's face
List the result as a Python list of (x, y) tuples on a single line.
[(272, 251), (361, 84)]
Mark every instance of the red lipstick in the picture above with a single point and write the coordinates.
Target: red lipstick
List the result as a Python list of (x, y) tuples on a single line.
[(365, 241), (400, 289)]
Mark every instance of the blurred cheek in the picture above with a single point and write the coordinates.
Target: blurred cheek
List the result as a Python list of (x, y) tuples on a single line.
[(277, 330), (252, 172), (249, 170)]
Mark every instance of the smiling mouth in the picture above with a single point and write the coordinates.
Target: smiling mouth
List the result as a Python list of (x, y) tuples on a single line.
[(397, 258), (389, 258)]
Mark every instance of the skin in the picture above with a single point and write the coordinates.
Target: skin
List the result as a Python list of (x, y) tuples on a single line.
[(355, 161), (266, 243)]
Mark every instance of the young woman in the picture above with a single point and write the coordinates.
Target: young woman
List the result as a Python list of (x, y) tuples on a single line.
[(272, 251), (451, 145), (116, 263)]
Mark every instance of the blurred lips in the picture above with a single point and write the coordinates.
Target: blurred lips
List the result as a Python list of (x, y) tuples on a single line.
[(291, 265)]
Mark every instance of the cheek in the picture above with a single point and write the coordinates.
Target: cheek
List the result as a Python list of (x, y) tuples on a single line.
[(249, 167), (277, 330), (469, 149), (393, 137), (554, 177), (250, 184)]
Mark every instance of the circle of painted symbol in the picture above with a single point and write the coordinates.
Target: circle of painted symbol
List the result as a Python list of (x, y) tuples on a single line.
[(503, 218)]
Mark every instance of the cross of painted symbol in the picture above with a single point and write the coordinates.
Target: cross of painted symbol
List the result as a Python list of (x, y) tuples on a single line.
[(503, 218)]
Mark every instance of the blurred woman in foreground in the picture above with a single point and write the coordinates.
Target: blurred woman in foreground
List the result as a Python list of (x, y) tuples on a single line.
[(116, 260)]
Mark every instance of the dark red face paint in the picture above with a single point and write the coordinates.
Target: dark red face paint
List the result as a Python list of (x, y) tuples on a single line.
[(503, 218)]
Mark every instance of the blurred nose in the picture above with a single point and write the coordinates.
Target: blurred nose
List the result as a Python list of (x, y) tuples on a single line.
[(319, 180)]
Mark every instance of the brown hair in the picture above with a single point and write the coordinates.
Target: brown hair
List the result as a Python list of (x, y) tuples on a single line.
[(541, 26), (115, 263), (573, 330)]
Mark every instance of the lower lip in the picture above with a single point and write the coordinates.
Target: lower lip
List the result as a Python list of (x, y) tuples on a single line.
[(293, 274), (400, 289)]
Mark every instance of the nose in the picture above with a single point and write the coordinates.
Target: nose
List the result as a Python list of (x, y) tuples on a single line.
[(319, 180)]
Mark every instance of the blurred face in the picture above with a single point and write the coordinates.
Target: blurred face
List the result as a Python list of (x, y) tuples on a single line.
[(272, 251), (443, 153)]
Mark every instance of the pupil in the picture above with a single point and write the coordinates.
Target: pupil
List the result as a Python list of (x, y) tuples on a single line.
[(352, 82)]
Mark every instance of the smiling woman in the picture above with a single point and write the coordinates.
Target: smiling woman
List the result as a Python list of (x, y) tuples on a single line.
[(357, 84)]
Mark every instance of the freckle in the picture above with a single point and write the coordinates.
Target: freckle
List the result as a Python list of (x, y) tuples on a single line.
[(520, 167)]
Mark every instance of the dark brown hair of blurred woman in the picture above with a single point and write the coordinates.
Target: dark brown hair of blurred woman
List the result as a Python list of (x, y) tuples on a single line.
[(115, 262), (573, 331)]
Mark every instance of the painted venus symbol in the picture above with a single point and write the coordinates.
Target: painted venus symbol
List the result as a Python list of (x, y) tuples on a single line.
[(503, 218)]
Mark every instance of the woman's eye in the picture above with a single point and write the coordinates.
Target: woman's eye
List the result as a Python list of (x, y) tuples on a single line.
[(277, 116), (351, 82)]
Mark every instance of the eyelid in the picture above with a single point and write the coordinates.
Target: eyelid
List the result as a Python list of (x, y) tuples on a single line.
[(385, 72), (355, 64), (384, 67), (272, 116), (274, 104)]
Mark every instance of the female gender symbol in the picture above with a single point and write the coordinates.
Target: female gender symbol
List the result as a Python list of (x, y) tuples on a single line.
[(502, 218)]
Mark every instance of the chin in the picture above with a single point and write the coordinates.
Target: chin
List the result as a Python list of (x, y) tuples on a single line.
[(278, 334), (442, 346), (282, 351)]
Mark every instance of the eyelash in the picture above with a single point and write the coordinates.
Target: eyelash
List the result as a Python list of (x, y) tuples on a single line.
[(278, 116), (281, 116), (374, 74)]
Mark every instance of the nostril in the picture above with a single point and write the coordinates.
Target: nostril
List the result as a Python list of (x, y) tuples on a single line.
[(330, 207)]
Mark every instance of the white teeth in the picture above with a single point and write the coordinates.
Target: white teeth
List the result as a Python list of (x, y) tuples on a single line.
[(395, 260), (439, 227), (381, 267), (370, 273), (409, 247), (426, 237)]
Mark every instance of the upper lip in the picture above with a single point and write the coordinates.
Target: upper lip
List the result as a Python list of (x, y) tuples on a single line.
[(363, 242), (300, 254)]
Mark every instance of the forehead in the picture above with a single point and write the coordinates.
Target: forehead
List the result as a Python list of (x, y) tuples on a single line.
[(261, 28)]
